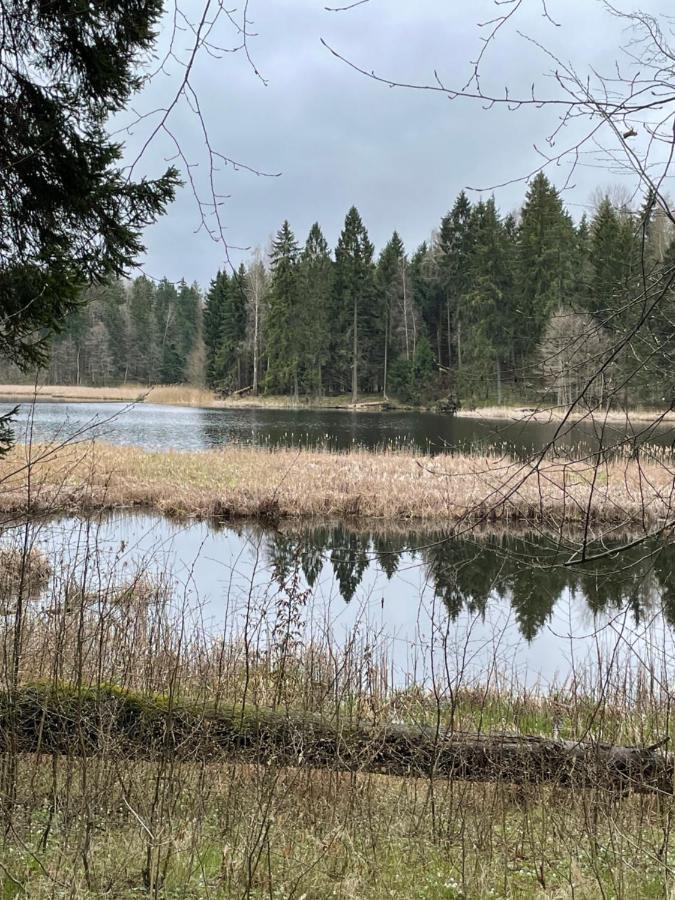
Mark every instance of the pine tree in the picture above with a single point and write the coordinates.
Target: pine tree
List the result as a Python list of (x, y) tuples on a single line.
[(142, 331), (316, 286), (165, 353), (397, 309), (488, 313), (283, 323), (454, 246), (610, 251), (545, 257), (231, 347), (353, 328), (214, 311)]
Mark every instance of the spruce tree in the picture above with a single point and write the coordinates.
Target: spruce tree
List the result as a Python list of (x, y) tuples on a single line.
[(454, 246), (488, 313), (316, 286), (354, 328), (166, 357), (397, 307), (142, 331), (610, 240), (214, 312), (283, 322), (429, 295), (545, 257), (232, 336)]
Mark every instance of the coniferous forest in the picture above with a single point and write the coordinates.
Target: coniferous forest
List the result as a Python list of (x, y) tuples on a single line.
[(493, 308)]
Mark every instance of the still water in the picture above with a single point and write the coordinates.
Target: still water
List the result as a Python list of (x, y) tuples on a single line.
[(185, 428), (496, 603)]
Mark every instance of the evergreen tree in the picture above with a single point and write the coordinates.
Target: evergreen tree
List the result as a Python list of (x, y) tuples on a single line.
[(283, 323), (232, 345), (611, 238), (354, 328), (398, 312), (545, 257), (454, 246), (142, 331), (214, 313), (188, 324), (167, 363), (488, 312), (71, 215), (316, 287), (429, 296)]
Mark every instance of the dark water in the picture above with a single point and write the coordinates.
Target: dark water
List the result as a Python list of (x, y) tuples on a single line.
[(185, 428), (500, 600)]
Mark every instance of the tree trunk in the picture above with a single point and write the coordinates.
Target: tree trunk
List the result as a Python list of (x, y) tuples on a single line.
[(449, 334), (255, 348), (386, 355), (459, 343), (355, 354), (499, 382), (40, 719)]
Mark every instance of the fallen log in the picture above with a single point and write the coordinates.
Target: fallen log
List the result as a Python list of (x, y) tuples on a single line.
[(63, 720)]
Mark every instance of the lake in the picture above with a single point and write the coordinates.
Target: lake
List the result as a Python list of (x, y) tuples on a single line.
[(184, 428), (502, 596), (494, 604)]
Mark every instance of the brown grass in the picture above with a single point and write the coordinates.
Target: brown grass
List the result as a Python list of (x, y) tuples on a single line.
[(170, 394), (178, 395), (552, 414), (237, 482)]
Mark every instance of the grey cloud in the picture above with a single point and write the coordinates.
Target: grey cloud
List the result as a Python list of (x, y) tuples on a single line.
[(341, 139)]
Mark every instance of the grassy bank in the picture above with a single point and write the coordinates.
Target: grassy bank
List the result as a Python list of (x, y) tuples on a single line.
[(169, 825), (552, 414), (183, 395), (397, 486)]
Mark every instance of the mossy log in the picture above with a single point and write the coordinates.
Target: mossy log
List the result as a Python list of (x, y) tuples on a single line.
[(63, 720)]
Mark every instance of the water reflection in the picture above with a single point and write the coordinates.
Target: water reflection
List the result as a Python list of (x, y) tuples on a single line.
[(506, 596), (527, 572)]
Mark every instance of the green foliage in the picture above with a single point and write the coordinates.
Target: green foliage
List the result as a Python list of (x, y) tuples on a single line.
[(316, 287), (495, 307), (546, 239), (284, 325), (70, 216), (354, 321), (412, 379)]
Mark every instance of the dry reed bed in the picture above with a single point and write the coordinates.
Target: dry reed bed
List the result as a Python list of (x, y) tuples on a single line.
[(237, 482), (170, 394)]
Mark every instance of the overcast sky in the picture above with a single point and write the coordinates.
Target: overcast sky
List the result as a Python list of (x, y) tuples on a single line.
[(338, 138)]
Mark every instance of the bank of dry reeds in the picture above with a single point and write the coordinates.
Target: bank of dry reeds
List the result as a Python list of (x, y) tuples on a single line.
[(396, 486)]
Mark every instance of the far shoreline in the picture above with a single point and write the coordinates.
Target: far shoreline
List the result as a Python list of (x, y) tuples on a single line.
[(201, 398)]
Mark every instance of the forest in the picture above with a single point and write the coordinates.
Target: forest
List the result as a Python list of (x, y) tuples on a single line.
[(492, 308)]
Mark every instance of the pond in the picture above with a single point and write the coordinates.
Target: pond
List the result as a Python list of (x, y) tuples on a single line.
[(184, 428), (502, 603)]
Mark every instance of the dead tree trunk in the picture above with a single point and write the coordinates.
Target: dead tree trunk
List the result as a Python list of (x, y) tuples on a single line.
[(65, 721)]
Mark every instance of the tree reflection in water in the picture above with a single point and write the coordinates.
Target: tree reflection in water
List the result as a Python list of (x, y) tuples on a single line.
[(527, 571)]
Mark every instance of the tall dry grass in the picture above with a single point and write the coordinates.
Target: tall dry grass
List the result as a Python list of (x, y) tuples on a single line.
[(177, 395), (170, 394), (107, 825), (396, 486)]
